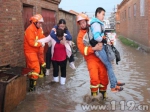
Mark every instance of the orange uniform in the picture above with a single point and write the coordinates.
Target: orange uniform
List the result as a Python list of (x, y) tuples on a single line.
[(97, 70), (33, 50)]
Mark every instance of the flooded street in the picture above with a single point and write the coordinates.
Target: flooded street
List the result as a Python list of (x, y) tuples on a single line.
[(133, 69)]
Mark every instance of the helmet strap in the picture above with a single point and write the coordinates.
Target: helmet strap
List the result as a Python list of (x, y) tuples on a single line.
[(36, 25)]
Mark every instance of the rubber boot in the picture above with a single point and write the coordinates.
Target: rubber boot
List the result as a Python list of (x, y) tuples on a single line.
[(55, 79), (94, 94), (103, 94), (32, 85), (62, 80), (44, 70), (41, 74), (95, 97)]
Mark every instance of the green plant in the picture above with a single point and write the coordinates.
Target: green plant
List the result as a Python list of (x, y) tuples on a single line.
[(128, 42)]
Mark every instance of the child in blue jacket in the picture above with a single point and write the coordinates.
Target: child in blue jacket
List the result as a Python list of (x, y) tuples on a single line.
[(97, 29)]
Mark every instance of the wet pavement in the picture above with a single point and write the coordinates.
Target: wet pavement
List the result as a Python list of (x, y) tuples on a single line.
[(134, 70)]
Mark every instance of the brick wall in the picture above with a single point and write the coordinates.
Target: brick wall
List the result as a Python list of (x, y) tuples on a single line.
[(12, 28), (148, 20), (135, 27), (11, 32)]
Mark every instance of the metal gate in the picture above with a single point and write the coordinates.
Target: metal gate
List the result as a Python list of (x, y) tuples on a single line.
[(49, 20), (27, 13)]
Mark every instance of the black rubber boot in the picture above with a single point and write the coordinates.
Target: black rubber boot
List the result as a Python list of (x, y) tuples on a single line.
[(95, 97), (103, 94), (44, 70), (41, 74), (32, 85), (94, 93)]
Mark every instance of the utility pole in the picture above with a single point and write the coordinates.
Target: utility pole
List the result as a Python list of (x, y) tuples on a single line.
[(114, 19)]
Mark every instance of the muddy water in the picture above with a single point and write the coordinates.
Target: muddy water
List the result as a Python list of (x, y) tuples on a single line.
[(133, 70)]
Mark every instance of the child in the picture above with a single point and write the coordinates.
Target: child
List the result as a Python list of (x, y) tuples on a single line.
[(97, 29)]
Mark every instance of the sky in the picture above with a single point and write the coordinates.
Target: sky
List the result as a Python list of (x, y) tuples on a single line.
[(89, 6)]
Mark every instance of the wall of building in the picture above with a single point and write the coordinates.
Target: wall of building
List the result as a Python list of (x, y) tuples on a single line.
[(148, 8), (12, 27), (112, 20), (134, 26)]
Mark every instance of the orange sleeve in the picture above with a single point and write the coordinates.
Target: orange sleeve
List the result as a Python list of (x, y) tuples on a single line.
[(32, 39), (82, 48)]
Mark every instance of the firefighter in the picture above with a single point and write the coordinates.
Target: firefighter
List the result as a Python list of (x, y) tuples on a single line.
[(97, 70), (33, 50)]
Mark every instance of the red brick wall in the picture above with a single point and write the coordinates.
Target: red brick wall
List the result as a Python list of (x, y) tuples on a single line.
[(136, 27), (11, 33), (12, 28), (149, 20)]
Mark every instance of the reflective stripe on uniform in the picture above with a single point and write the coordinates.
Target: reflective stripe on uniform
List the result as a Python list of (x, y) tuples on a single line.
[(85, 50), (36, 37), (97, 86), (100, 85), (36, 43), (33, 73), (43, 65), (91, 86)]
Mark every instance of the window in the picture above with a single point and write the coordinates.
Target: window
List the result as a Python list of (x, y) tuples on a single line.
[(142, 7), (129, 15), (134, 10)]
